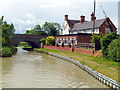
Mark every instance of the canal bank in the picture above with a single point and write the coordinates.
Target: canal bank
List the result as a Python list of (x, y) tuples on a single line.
[(102, 78), (28, 69)]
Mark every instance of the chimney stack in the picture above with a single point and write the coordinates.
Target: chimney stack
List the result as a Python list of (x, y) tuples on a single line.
[(82, 19), (92, 17), (66, 17)]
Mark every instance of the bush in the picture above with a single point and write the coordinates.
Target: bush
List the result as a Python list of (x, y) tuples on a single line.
[(43, 40), (105, 41), (95, 38), (50, 40), (8, 51), (114, 50)]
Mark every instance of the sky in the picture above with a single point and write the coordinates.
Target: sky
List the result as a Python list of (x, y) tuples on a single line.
[(25, 14)]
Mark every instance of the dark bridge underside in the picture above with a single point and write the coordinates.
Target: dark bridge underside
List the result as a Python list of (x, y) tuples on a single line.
[(33, 40)]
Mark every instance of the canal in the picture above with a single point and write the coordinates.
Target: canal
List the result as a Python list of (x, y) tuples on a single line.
[(37, 70)]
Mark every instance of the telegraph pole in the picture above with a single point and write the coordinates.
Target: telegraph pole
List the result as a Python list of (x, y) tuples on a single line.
[(94, 16)]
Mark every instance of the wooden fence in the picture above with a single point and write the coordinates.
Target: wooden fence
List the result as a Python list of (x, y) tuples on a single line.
[(86, 46), (91, 46)]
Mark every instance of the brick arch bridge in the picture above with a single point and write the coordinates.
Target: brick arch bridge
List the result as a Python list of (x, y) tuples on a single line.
[(33, 40)]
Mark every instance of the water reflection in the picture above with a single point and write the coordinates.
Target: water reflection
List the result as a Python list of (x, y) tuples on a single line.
[(36, 70)]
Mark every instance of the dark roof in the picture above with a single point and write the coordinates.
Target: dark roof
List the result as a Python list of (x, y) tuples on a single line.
[(72, 22), (87, 25), (75, 34)]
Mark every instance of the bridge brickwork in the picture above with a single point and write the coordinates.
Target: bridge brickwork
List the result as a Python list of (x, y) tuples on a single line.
[(33, 40)]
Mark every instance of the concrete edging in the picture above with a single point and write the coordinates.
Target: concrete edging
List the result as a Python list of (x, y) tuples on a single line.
[(102, 78)]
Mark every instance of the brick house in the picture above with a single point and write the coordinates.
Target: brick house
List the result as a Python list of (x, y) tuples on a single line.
[(104, 25), (80, 31), (73, 39)]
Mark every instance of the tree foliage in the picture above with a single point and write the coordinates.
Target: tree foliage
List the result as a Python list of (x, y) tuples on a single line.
[(50, 40), (48, 28), (36, 30), (96, 37), (51, 29), (114, 50), (7, 32), (105, 41), (43, 40)]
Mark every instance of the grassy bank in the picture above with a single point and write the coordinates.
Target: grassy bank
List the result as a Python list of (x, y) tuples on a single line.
[(8, 51), (106, 67)]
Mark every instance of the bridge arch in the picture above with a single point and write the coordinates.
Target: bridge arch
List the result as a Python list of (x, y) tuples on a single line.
[(33, 40), (32, 44)]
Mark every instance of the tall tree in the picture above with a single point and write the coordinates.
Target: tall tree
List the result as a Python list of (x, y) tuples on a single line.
[(1, 21), (36, 30), (7, 32), (51, 28)]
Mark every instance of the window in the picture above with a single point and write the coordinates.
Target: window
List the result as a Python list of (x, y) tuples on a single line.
[(65, 40), (59, 41), (107, 30), (72, 41)]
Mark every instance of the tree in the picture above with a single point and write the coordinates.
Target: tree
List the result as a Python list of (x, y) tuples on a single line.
[(51, 29), (114, 50), (96, 37), (1, 22), (36, 30), (43, 40), (50, 40), (105, 41), (7, 32)]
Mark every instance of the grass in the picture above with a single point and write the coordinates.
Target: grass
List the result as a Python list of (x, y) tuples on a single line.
[(106, 67)]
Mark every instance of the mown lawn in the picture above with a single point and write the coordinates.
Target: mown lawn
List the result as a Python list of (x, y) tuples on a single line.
[(106, 67)]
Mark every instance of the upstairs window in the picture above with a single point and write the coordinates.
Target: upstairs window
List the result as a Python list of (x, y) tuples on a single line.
[(107, 30)]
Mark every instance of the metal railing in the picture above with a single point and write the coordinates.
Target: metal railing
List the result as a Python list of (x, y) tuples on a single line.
[(86, 46), (104, 79)]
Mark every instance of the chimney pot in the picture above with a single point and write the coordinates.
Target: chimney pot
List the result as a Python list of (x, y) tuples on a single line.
[(82, 19), (66, 17), (93, 17)]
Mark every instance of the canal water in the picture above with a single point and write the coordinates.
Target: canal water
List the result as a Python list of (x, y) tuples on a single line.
[(28, 69)]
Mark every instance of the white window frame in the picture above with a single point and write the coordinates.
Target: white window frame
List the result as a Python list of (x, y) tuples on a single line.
[(107, 30), (66, 41), (60, 41), (73, 38)]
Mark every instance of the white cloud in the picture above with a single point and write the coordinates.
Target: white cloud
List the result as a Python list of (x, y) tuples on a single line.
[(25, 13), (55, 3), (30, 19), (30, 16), (28, 28)]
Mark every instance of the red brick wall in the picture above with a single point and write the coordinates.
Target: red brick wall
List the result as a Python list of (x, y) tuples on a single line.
[(103, 26), (83, 38), (59, 48), (84, 51)]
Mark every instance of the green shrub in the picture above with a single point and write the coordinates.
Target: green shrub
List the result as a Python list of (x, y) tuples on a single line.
[(96, 37), (105, 41), (43, 40), (8, 51), (114, 50)]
